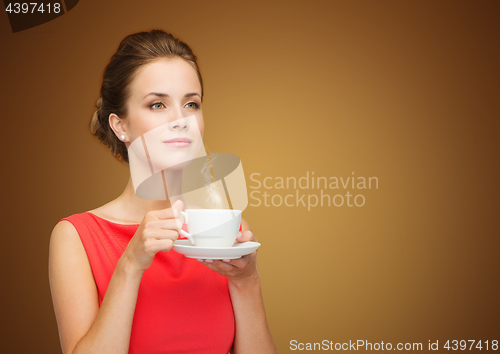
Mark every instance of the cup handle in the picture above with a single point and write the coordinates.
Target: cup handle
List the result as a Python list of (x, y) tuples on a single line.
[(188, 235)]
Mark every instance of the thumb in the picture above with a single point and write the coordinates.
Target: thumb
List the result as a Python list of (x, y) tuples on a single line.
[(178, 204), (176, 207), (245, 236)]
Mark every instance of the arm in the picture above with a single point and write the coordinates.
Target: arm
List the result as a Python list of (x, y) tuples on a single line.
[(83, 326), (252, 332)]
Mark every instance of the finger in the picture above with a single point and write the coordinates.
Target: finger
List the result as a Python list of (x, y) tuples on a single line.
[(223, 266), (169, 213), (161, 234), (246, 236), (163, 245), (214, 268), (153, 246), (180, 220), (167, 224), (161, 214), (176, 208), (239, 262)]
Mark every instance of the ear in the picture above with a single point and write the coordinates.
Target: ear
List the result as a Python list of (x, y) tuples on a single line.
[(118, 127)]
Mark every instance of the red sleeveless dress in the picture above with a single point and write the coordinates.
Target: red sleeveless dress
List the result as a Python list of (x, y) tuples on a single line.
[(182, 305)]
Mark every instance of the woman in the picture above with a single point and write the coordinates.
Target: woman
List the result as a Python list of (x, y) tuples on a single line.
[(113, 290)]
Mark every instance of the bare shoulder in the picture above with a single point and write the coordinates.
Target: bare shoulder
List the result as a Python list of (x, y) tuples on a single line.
[(64, 226), (64, 234), (72, 285), (66, 250)]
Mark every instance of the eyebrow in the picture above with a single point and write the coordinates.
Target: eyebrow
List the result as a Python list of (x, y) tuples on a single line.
[(161, 94)]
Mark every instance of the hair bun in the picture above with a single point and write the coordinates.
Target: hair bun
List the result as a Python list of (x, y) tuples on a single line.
[(99, 103), (94, 122)]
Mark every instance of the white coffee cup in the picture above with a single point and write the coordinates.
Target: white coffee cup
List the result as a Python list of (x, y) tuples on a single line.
[(212, 227)]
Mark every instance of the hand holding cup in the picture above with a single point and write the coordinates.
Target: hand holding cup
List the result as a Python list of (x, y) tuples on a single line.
[(157, 232)]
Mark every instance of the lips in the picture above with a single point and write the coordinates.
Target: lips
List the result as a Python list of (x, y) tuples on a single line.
[(179, 142)]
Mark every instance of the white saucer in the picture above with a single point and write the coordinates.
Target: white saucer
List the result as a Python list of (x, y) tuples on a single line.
[(238, 250)]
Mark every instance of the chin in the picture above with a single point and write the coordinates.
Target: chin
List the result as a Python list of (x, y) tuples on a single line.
[(172, 166)]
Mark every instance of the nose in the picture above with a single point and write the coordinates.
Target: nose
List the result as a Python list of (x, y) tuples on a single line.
[(178, 124)]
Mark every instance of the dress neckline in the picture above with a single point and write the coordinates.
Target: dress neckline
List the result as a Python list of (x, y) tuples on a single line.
[(111, 222)]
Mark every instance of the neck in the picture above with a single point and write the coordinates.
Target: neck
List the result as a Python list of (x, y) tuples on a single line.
[(133, 208)]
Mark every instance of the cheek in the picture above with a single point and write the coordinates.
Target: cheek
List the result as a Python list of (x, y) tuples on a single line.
[(142, 128), (201, 126)]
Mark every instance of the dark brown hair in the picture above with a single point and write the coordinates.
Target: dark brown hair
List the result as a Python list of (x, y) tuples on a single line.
[(134, 51)]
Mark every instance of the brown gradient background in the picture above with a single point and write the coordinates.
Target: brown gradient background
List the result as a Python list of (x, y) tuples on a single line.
[(406, 91)]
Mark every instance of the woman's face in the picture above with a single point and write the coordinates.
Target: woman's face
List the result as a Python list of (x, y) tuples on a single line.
[(164, 112)]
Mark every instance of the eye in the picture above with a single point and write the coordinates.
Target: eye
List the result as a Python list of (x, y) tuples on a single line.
[(156, 103), (193, 105)]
